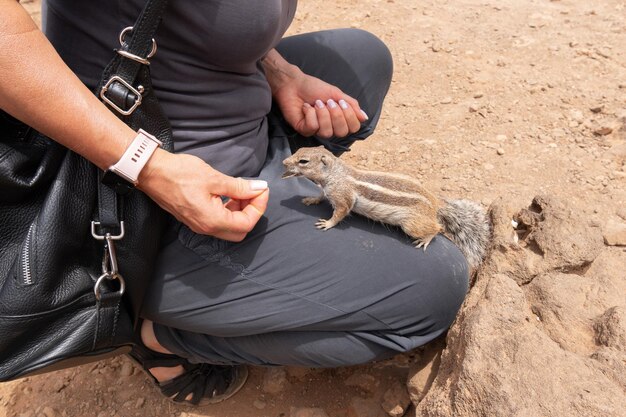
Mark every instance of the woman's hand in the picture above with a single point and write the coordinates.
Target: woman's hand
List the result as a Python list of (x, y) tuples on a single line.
[(192, 191), (310, 105)]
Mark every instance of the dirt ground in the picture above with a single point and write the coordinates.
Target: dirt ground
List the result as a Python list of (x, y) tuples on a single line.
[(489, 98)]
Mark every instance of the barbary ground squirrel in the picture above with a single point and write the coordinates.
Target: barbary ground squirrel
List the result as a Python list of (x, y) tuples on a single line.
[(393, 199)]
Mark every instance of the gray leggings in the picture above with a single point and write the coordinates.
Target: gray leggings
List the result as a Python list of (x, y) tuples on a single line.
[(290, 294)]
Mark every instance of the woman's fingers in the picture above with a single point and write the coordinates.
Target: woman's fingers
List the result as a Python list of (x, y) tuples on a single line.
[(335, 118), (338, 119), (310, 125), (353, 123), (325, 130)]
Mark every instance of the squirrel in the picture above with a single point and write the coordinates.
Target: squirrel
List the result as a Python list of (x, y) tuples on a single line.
[(393, 199)]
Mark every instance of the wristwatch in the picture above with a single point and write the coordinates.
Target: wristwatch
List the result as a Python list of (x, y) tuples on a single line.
[(122, 177)]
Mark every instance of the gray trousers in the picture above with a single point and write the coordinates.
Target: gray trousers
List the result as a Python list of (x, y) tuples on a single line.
[(290, 294)]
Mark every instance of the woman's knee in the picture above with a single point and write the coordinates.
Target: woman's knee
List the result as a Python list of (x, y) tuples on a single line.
[(441, 283), (373, 51)]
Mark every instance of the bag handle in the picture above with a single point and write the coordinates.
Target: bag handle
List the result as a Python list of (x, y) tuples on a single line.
[(120, 91)]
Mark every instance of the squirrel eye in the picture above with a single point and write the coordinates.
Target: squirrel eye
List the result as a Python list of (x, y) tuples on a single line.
[(303, 161)]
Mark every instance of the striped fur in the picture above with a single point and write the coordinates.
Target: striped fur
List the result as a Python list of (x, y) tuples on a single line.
[(392, 199)]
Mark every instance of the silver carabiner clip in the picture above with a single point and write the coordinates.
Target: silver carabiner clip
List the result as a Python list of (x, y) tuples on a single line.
[(109, 248), (118, 277)]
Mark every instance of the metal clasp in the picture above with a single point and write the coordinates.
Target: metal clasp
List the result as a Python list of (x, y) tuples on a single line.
[(135, 91), (128, 54), (97, 236), (118, 277), (110, 270)]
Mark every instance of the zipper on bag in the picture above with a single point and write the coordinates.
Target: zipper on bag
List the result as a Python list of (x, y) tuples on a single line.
[(25, 260)]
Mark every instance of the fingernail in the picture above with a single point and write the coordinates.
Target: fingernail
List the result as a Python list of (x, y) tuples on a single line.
[(331, 103), (365, 115), (257, 185), (343, 104), (306, 105), (319, 104)]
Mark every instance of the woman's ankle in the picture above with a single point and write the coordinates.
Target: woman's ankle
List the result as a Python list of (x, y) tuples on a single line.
[(149, 338)]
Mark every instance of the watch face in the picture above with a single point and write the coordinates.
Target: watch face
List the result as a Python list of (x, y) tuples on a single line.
[(117, 183)]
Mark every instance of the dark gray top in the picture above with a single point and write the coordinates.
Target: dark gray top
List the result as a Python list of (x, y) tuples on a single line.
[(206, 72)]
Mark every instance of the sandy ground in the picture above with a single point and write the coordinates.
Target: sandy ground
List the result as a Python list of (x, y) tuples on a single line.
[(489, 98)]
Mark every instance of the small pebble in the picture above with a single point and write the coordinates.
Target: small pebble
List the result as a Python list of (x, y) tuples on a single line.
[(597, 109), (500, 151), (446, 100), (603, 131)]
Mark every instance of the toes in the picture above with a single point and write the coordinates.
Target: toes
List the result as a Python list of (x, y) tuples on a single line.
[(323, 224)]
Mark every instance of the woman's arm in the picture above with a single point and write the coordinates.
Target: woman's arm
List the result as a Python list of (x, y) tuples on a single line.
[(37, 88), (310, 105)]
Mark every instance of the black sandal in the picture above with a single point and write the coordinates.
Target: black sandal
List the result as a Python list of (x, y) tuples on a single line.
[(207, 384)]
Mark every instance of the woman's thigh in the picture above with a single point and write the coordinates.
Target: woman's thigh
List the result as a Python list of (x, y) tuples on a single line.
[(289, 276)]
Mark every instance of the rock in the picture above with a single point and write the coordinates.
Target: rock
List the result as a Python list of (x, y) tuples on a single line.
[(435, 47), (395, 130), (360, 407), (597, 109), (396, 400), (307, 412), (557, 299), (126, 369), (603, 131), (615, 233), (558, 238), (474, 107), (501, 138), (49, 412), (507, 353), (423, 372), (140, 402), (612, 363), (488, 166), (577, 116), (274, 380), (59, 384), (621, 212), (478, 94), (300, 373), (610, 328), (364, 381), (500, 151), (531, 368), (446, 100), (259, 404)]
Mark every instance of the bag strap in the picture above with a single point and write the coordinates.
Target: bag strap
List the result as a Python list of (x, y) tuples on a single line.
[(120, 91)]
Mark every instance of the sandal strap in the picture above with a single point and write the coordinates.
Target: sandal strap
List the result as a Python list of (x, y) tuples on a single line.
[(203, 380)]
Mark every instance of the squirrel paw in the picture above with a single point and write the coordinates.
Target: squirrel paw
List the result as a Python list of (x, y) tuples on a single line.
[(324, 224), (423, 242), (309, 201)]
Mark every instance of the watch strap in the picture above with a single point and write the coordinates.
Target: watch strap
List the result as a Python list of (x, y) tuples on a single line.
[(136, 156)]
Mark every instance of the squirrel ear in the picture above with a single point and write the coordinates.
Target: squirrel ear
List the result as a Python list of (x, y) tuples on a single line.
[(324, 160)]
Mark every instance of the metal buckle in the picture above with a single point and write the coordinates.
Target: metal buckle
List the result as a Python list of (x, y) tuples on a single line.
[(132, 56), (96, 236), (129, 87)]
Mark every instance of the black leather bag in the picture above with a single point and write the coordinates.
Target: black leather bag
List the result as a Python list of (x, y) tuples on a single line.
[(75, 258)]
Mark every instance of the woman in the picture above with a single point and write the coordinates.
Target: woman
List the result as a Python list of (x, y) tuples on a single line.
[(250, 281)]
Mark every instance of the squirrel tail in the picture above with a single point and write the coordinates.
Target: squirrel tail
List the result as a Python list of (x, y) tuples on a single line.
[(468, 225)]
